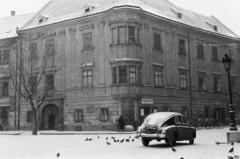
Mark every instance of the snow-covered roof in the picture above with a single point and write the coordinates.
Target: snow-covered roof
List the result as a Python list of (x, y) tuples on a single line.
[(164, 114), (61, 10), (8, 25)]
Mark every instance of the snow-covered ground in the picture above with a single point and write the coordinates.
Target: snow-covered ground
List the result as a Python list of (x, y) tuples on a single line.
[(26, 146)]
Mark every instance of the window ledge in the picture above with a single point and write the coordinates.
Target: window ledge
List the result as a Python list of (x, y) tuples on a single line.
[(200, 58), (158, 50), (159, 86), (126, 84), (89, 49), (181, 54), (124, 44)]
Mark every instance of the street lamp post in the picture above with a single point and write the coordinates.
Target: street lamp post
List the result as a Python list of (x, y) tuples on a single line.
[(227, 61)]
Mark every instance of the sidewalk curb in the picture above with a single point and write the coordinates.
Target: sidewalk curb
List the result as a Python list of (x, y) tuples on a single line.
[(86, 133), (10, 134)]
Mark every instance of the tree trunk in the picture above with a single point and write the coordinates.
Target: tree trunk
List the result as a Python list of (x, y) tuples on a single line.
[(35, 123)]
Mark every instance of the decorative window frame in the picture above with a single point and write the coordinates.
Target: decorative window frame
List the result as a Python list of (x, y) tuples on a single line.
[(126, 24)]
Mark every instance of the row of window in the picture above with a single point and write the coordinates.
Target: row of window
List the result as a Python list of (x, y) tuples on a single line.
[(132, 74), (78, 115), (158, 80), (4, 57), (120, 35)]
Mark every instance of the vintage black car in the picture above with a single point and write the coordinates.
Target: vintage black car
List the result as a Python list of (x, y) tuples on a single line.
[(168, 126)]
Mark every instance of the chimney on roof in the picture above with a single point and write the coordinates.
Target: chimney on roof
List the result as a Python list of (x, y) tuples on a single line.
[(13, 12)]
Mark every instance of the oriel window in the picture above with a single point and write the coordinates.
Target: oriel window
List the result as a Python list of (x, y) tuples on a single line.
[(87, 78), (132, 74), (122, 74)]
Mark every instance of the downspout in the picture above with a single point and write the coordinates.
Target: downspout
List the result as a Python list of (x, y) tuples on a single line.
[(190, 81), (19, 77), (15, 85)]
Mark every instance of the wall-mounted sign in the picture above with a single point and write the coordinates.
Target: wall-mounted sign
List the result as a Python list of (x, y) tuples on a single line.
[(146, 101)]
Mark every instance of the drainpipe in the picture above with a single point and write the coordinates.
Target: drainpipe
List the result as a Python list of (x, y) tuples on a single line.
[(15, 86), (19, 78), (190, 80)]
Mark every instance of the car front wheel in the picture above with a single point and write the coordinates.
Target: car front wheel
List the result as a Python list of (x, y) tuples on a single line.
[(145, 141), (171, 141)]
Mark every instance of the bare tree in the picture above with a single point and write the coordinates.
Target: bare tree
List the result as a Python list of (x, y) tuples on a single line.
[(29, 74)]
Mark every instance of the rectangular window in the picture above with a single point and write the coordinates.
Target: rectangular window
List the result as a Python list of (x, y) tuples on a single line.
[(216, 83), (87, 78), (78, 115), (104, 114), (214, 54), (29, 116), (114, 36), (233, 84), (5, 87), (131, 34), (132, 74), (50, 81), (33, 83), (183, 79), (87, 40), (121, 34), (114, 75), (33, 51), (181, 47), (206, 112), (201, 83), (158, 77), (50, 47), (122, 74), (157, 42), (200, 51), (5, 58)]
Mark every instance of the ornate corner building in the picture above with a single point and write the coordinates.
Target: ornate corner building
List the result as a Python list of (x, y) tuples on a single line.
[(129, 58)]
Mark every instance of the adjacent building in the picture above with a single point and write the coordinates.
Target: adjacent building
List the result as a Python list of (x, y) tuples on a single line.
[(8, 52), (130, 58)]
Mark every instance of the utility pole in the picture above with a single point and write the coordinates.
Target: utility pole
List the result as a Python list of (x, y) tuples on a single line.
[(190, 80)]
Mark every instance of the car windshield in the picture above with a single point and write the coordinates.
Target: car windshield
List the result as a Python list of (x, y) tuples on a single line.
[(155, 120)]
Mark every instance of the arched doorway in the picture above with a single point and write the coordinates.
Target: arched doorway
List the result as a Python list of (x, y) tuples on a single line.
[(50, 117)]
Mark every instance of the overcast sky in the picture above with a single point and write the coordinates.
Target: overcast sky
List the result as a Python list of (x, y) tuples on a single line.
[(227, 11)]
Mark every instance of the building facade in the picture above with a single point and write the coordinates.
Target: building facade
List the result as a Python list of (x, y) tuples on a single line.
[(130, 58)]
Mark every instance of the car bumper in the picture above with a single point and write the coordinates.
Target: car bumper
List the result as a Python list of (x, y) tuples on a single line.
[(157, 136)]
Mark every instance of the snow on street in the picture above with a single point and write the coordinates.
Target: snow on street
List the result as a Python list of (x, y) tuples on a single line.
[(75, 147)]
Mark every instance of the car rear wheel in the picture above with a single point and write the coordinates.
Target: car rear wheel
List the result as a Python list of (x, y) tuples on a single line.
[(191, 141), (145, 141)]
